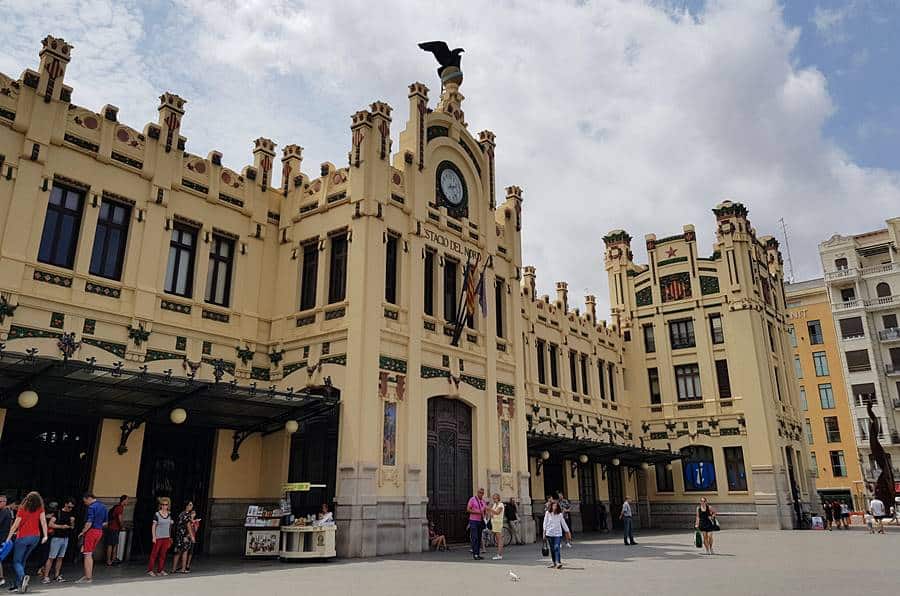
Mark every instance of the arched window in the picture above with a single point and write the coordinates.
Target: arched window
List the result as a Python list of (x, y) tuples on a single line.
[(883, 290), (699, 468)]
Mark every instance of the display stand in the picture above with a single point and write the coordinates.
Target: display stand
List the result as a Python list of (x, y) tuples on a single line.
[(262, 531), (306, 538)]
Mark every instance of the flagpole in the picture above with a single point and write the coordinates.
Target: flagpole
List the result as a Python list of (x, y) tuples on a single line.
[(461, 307)]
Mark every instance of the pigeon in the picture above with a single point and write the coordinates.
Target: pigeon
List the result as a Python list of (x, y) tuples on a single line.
[(512, 576)]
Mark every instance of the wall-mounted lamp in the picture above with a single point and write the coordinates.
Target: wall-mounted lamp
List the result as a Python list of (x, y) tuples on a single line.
[(545, 455)]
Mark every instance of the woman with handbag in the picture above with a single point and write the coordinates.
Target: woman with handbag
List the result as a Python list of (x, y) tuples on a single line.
[(705, 521), (554, 528)]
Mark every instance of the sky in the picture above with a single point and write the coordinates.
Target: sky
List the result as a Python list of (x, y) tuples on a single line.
[(639, 115)]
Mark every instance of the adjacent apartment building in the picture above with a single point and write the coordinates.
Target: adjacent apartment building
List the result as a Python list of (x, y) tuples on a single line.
[(862, 277), (830, 429)]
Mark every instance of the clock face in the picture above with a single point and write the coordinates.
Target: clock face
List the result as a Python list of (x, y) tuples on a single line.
[(452, 186)]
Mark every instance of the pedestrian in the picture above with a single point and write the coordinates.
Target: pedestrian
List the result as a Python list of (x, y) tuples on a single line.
[(566, 507), (870, 522), (161, 532), (829, 515), (498, 515), (437, 540), (476, 508), (6, 521), (195, 523), (876, 506), (41, 552), (184, 538), (512, 517), (29, 528), (59, 543), (91, 533), (601, 513), (626, 517), (113, 528), (555, 528), (845, 515), (836, 514), (705, 521)]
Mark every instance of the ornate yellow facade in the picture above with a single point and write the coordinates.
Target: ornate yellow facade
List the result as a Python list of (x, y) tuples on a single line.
[(141, 282)]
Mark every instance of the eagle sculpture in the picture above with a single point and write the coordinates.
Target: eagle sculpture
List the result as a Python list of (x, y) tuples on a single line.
[(884, 484), (443, 54)]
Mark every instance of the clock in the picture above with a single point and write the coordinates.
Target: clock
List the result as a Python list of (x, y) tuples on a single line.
[(451, 189)]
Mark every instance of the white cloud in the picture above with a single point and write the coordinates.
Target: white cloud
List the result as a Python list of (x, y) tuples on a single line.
[(830, 22), (610, 114)]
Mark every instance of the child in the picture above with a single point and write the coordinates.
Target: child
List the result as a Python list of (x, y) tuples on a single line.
[(870, 522)]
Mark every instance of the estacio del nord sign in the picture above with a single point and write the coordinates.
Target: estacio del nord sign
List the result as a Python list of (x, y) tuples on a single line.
[(449, 243)]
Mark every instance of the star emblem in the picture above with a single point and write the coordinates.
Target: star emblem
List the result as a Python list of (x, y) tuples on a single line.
[(670, 252)]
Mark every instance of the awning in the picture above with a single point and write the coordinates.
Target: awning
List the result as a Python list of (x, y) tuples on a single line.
[(138, 396), (597, 451)]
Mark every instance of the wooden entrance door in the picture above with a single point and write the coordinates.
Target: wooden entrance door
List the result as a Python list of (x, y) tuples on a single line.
[(176, 462), (449, 466), (616, 494), (587, 490)]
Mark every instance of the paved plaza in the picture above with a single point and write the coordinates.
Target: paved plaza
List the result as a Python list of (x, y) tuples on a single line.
[(749, 562)]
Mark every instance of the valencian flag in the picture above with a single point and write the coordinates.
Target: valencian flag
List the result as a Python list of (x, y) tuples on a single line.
[(472, 296)]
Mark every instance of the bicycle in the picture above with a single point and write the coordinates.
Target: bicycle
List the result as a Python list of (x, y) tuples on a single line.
[(488, 540)]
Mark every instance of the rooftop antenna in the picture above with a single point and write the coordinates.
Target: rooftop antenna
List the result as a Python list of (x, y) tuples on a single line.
[(789, 270)]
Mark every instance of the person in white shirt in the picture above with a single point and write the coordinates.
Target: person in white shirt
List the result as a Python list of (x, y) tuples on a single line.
[(626, 517), (876, 506), (554, 528)]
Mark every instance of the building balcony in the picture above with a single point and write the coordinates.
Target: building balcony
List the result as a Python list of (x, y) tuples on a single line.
[(848, 305), (892, 334), (897, 404), (891, 369), (840, 275), (883, 302), (880, 269)]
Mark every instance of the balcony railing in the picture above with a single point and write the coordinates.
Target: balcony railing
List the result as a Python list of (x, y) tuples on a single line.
[(848, 305), (892, 334), (839, 274), (878, 269), (883, 302), (891, 369)]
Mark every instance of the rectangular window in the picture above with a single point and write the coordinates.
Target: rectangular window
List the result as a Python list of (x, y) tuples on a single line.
[(62, 224), (309, 273), (840, 264), (687, 380), (180, 268), (541, 372), (826, 396), (815, 332), (499, 287), (337, 276), (665, 483), (792, 334), (807, 426), (649, 339), (814, 464), (771, 336), (218, 277), (653, 381), (838, 466), (848, 295), (573, 371), (429, 282), (108, 254), (601, 373), (777, 383), (585, 386), (722, 379), (734, 468), (889, 321), (852, 327), (804, 405), (451, 295), (858, 360), (554, 363), (820, 360), (863, 394), (390, 268), (611, 373), (862, 426), (716, 331), (681, 333), (798, 367), (832, 429)]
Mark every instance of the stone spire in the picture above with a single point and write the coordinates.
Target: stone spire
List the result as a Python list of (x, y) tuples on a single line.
[(263, 156), (451, 99), (55, 55)]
